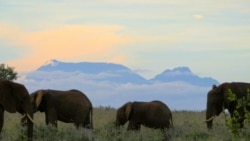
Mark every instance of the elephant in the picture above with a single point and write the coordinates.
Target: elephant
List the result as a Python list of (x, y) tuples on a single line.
[(218, 100), (70, 106), (14, 97), (154, 114)]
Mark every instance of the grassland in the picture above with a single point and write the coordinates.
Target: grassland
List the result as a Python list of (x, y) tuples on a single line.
[(188, 126)]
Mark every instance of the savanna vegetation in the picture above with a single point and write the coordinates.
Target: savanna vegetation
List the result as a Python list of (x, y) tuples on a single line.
[(188, 126), (7, 73)]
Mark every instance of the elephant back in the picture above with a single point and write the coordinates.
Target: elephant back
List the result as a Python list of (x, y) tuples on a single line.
[(8, 93)]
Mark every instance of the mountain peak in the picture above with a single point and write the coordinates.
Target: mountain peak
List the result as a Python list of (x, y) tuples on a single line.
[(182, 69), (183, 74), (52, 62), (97, 70), (177, 71), (88, 67)]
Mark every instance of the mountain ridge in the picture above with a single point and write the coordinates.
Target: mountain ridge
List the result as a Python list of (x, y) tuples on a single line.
[(93, 67), (115, 84), (114, 73), (119, 73)]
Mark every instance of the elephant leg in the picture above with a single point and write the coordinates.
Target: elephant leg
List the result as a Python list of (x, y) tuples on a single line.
[(164, 131), (241, 118), (138, 127), (1, 117), (79, 123), (51, 118), (86, 123), (167, 133), (129, 126), (241, 122), (238, 118), (133, 126)]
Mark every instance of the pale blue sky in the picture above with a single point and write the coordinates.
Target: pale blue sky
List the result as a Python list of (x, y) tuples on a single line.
[(210, 37)]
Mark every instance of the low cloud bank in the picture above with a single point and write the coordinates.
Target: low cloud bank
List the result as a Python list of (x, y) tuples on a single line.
[(177, 95)]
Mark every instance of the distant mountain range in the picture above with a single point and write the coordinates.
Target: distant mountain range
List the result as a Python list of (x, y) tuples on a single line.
[(117, 73), (110, 84)]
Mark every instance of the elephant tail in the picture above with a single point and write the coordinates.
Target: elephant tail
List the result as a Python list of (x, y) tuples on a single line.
[(91, 117), (171, 121)]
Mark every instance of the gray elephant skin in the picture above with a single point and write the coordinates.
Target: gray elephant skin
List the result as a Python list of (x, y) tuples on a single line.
[(70, 106), (154, 114), (217, 100), (14, 97)]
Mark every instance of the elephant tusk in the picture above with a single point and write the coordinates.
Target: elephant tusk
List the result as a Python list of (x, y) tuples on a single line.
[(211, 118), (30, 118), (23, 116)]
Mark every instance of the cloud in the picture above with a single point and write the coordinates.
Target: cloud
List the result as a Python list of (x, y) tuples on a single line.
[(9, 31), (74, 39), (66, 42), (198, 16), (177, 95)]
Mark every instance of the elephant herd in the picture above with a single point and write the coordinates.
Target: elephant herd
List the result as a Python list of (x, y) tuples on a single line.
[(73, 106)]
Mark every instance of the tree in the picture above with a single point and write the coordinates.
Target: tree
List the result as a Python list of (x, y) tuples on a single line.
[(7, 73)]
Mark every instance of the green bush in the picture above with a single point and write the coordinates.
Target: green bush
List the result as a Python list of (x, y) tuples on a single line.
[(232, 123)]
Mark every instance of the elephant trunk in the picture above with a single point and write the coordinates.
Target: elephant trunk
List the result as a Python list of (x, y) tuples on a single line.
[(28, 117), (30, 122), (27, 120), (119, 122), (209, 119), (117, 125)]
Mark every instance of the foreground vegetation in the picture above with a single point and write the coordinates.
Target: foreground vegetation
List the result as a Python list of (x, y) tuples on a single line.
[(188, 126)]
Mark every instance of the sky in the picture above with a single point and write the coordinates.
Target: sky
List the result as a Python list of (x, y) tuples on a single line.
[(148, 36)]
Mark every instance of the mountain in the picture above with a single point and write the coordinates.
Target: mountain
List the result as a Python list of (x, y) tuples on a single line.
[(117, 73), (183, 74), (85, 67), (109, 84), (110, 72)]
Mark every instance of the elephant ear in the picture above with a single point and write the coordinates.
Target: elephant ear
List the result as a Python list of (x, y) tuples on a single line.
[(225, 91), (7, 96), (38, 99), (219, 91), (128, 109)]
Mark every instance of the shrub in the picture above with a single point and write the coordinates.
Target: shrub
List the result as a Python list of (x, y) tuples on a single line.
[(242, 106)]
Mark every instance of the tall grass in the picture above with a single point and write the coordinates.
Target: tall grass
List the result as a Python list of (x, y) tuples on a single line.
[(188, 126)]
